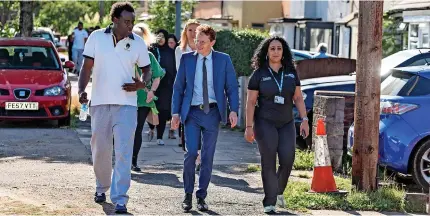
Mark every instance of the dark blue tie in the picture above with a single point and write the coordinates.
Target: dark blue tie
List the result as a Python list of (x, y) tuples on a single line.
[(206, 108)]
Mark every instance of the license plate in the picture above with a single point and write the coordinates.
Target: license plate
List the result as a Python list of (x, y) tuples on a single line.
[(22, 106)]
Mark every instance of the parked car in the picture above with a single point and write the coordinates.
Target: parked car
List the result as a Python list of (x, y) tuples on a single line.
[(33, 84), (404, 129), (299, 55), (404, 58), (309, 86), (347, 83), (45, 33)]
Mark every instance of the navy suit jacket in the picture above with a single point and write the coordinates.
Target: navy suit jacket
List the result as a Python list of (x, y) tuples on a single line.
[(225, 84)]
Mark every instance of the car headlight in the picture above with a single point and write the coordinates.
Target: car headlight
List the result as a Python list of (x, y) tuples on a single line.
[(54, 91), (304, 95)]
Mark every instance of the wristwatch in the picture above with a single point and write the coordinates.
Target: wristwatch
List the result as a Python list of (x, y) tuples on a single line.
[(305, 119)]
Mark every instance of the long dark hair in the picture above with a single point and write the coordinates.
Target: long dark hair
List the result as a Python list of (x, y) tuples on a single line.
[(260, 55), (165, 33), (174, 38)]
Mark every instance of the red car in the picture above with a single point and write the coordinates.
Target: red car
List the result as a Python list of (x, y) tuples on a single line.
[(33, 82)]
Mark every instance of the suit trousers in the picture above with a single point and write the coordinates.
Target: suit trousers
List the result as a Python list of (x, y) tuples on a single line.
[(200, 127)]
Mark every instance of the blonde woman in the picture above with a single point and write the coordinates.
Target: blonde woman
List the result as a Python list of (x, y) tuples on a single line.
[(146, 97), (187, 40), (187, 44)]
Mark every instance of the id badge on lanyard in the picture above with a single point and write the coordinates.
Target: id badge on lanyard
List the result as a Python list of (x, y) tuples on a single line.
[(278, 98)]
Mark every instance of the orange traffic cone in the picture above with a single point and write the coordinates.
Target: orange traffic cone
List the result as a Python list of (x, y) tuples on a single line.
[(323, 179)]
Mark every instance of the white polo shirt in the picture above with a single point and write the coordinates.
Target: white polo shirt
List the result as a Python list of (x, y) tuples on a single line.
[(114, 66)]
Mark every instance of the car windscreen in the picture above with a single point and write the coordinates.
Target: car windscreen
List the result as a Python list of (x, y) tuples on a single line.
[(405, 84), (28, 57)]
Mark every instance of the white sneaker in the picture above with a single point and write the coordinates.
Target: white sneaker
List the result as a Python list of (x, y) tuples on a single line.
[(281, 201), (160, 142), (269, 209)]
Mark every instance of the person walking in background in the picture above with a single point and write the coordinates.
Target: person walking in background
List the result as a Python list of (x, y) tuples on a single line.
[(205, 79), (69, 44), (145, 97), (78, 45), (322, 50), (166, 58), (172, 41), (187, 44), (111, 55), (272, 89)]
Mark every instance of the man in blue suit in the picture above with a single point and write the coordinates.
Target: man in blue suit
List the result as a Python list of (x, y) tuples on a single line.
[(206, 78)]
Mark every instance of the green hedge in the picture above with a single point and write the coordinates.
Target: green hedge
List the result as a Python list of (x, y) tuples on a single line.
[(240, 45)]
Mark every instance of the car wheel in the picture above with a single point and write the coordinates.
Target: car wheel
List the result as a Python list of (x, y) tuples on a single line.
[(65, 122), (421, 166)]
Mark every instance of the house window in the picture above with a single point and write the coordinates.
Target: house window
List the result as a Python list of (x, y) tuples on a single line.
[(258, 25)]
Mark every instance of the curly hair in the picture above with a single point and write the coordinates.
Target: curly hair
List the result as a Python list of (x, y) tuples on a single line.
[(260, 55), (119, 7)]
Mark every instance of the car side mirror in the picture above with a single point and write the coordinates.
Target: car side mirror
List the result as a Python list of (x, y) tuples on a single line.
[(69, 64)]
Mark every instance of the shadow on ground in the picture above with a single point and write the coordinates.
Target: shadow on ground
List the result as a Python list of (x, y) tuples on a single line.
[(41, 140)]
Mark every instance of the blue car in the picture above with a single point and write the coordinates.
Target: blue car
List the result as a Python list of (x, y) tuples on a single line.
[(404, 127), (309, 86)]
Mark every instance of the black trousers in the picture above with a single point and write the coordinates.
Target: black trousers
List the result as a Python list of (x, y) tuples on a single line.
[(163, 117), (142, 113), (273, 140)]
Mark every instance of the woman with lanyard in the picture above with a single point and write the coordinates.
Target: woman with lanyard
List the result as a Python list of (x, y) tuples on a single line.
[(166, 58), (273, 88), (145, 98)]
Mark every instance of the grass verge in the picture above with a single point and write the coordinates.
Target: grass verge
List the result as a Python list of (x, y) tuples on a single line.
[(304, 161), (75, 108), (387, 198), (253, 168)]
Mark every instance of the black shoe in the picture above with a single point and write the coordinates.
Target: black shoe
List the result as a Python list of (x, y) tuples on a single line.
[(198, 168), (187, 204), (201, 205), (120, 209), (99, 198), (172, 134), (135, 168), (180, 144)]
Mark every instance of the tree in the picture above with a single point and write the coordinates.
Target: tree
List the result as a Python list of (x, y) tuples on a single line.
[(26, 18), (61, 15), (9, 23), (392, 38), (164, 14)]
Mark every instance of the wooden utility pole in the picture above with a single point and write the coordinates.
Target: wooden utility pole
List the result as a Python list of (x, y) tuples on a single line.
[(368, 83), (26, 18)]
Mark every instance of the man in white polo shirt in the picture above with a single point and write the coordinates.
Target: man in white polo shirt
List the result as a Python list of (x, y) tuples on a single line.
[(112, 54), (79, 40)]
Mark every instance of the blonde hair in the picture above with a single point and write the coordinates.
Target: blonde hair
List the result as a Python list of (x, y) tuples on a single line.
[(184, 39), (143, 31)]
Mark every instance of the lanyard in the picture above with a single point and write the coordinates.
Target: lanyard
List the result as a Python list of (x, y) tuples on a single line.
[(277, 83)]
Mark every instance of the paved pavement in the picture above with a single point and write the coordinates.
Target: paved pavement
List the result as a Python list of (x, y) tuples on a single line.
[(231, 148), (48, 171)]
